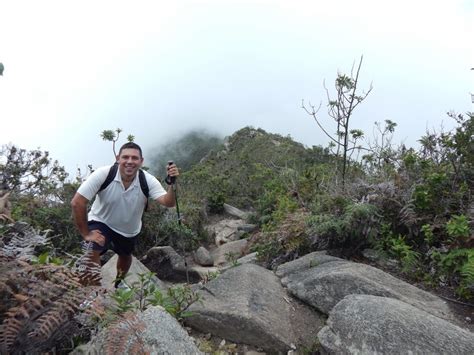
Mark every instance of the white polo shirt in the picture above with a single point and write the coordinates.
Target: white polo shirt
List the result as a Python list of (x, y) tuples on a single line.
[(118, 208)]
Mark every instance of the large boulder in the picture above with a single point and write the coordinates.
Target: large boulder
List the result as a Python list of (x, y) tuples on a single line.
[(203, 257), (234, 211), (306, 262), (363, 324), (154, 331), (169, 265), (228, 252), (225, 230), (324, 284), (248, 305), (109, 273)]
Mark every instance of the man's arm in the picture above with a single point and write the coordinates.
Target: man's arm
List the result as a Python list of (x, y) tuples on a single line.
[(167, 200), (79, 212)]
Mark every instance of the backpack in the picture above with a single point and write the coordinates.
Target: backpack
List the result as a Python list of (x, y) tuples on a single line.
[(141, 176)]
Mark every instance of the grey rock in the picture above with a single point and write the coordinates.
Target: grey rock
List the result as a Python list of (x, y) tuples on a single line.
[(225, 252), (248, 305), (204, 271), (155, 330), (169, 265), (225, 230), (203, 257), (246, 259), (323, 286), (233, 211), (239, 234), (362, 324), (249, 258), (306, 262), (109, 273), (247, 227)]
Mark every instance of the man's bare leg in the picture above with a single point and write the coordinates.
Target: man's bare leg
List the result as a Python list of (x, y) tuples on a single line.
[(123, 265), (95, 257)]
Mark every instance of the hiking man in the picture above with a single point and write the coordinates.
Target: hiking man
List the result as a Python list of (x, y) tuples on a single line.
[(115, 218)]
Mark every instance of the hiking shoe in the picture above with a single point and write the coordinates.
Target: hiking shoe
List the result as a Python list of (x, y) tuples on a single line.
[(121, 285)]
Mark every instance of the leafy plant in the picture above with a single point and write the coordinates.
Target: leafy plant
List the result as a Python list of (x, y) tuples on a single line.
[(30, 172), (46, 258), (459, 262), (427, 231), (123, 298), (405, 253), (176, 300), (350, 229), (458, 227), (141, 294)]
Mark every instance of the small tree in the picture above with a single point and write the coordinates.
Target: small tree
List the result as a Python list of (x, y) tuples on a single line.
[(381, 155), (32, 172), (341, 109), (113, 136)]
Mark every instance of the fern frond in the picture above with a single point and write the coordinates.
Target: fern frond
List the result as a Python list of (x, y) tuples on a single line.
[(88, 272), (467, 270), (408, 215), (40, 301), (124, 336), (23, 240)]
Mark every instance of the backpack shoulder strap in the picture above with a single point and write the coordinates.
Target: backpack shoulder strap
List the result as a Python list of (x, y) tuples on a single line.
[(144, 186), (110, 177)]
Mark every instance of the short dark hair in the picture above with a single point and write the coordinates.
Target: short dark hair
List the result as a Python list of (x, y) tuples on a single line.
[(131, 145)]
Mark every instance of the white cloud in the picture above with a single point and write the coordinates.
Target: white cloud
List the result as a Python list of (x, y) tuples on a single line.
[(155, 68)]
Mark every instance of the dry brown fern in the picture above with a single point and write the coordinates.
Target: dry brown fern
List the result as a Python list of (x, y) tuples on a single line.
[(40, 301), (50, 298), (88, 272), (124, 336)]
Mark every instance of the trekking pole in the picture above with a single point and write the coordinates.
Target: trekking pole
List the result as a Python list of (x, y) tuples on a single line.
[(171, 180)]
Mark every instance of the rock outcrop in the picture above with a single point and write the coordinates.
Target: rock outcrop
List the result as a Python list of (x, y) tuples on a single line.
[(322, 281), (363, 324), (169, 265), (203, 257), (154, 331), (248, 305), (228, 252)]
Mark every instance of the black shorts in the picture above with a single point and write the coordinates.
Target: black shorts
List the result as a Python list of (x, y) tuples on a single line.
[(118, 243)]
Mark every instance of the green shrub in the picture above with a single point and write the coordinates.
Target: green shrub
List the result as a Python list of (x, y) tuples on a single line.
[(351, 230), (215, 202), (405, 253), (285, 242), (143, 293), (56, 217), (458, 228), (458, 262), (427, 231)]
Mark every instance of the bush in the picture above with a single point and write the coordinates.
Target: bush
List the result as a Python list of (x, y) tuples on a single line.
[(53, 216), (285, 242), (349, 231), (457, 263)]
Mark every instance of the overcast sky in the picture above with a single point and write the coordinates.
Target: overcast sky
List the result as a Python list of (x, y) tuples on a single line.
[(159, 68)]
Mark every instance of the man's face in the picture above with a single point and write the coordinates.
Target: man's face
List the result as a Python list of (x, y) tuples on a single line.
[(129, 162)]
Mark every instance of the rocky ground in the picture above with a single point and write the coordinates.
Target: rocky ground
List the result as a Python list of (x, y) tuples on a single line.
[(318, 301), (464, 310)]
